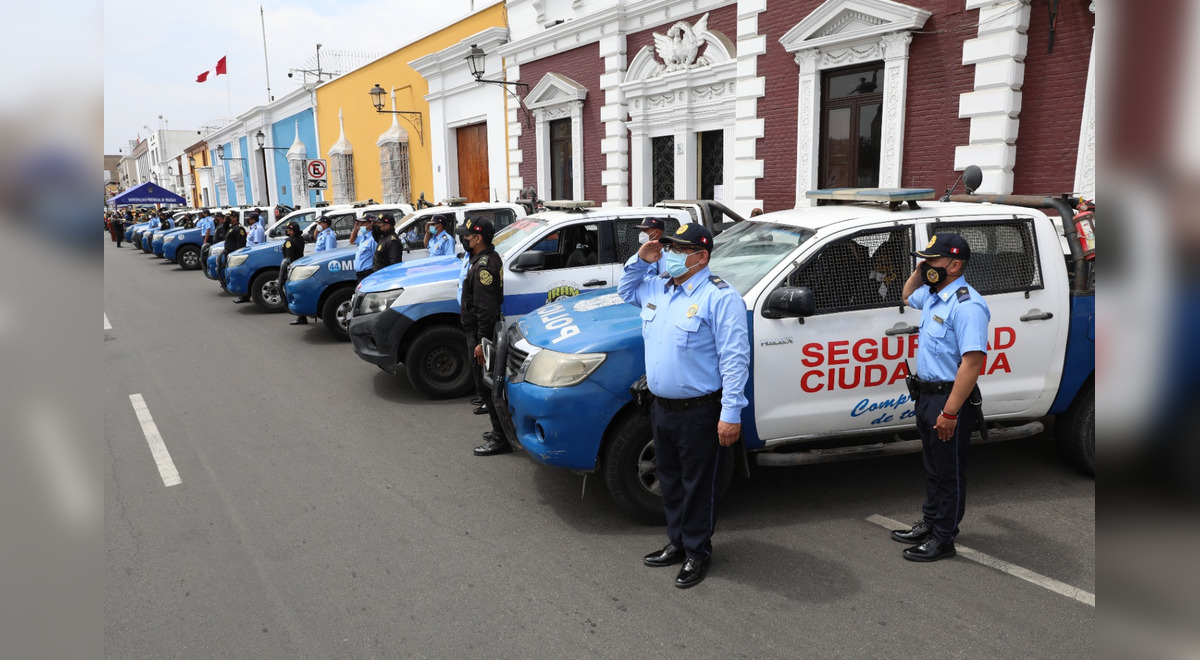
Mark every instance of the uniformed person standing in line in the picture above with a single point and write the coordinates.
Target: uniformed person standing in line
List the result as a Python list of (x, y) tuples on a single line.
[(117, 224), (258, 232), (363, 237), (651, 230), (388, 249), (697, 364), (951, 349), (438, 241), (482, 300), (326, 238), (293, 249), (234, 240)]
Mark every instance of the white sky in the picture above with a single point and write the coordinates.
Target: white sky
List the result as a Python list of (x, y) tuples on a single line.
[(153, 52)]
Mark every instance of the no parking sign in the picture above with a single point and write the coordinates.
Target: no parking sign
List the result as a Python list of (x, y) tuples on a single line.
[(316, 173)]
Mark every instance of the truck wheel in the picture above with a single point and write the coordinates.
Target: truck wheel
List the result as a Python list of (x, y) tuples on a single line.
[(336, 313), (1076, 431), (266, 293), (437, 363), (188, 257), (628, 467)]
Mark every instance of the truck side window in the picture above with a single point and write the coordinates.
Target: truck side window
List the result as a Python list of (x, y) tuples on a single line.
[(863, 271), (1004, 254), (627, 236), (500, 218), (342, 226)]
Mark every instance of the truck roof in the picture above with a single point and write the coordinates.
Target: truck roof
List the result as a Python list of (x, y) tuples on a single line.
[(820, 217), (557, 217)]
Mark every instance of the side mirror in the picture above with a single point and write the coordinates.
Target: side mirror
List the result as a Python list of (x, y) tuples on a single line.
[(790, 302), (972, 179), (531, 260)]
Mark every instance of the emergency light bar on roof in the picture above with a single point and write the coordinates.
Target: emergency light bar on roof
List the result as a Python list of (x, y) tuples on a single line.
[(568, 204), (893, 197)]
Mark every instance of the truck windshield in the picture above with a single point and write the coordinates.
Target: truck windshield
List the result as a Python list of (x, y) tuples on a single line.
[(516, 233), (746, 252)]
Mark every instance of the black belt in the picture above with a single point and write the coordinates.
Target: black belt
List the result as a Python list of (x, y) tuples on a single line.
[(935, 386), (694, 402)]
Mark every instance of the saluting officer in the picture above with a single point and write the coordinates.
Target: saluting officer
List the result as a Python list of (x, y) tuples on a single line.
[(363, 236), (651, 230), (293, 249), (482, 299), (951, 349), (388, 249), (326, 238), (439, 241), (697, 364)]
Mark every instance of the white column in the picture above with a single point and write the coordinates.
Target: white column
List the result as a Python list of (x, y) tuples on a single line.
[(747, 169), (515, 157), (641, 157), (615, 145), (895, 82), (808, 134), (685, 162), (1085, 162), (994, 106)]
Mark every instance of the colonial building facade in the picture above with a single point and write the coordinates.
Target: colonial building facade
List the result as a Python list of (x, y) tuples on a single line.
[(756, 102)]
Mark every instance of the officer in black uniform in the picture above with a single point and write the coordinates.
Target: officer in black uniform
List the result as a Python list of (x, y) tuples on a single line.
[(293, 249), (234, 240), (482, 299), (388, 247), (951, 349)]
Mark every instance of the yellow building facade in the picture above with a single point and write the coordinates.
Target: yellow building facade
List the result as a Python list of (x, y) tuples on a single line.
[(362, 127)]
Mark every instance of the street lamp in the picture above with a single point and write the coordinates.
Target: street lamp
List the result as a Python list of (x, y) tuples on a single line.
[(377, 95), (261, 139), (477, 63), (192, 162)]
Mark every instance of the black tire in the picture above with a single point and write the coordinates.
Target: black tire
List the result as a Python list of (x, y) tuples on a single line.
[(266, 294), (188, 257), (628, 468), (1076, 431), (437, 363), (336, 313)]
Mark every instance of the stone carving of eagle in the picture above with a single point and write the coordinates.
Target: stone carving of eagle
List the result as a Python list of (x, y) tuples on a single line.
[(679, 47)]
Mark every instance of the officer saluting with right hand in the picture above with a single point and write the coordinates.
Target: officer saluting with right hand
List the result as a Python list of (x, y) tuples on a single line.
[(950, 352), (482, 300)]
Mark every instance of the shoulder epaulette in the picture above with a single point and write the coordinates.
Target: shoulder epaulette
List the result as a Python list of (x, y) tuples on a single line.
[(721, 284), (483, 260), (964, 294)]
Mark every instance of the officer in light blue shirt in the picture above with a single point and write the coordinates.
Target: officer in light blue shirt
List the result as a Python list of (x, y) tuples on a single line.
[(326, 239), (258, 231), (697, 365), (951, 350), (439, 241), (364, 256), (206, 226), (651, 230)]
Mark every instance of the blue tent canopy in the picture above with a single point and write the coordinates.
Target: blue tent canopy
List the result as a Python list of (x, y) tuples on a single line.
[(147, 193)]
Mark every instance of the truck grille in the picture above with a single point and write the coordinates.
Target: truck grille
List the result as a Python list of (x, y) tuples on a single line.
[(516, 356)]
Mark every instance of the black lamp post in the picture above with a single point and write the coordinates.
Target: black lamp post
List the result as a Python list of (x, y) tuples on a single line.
[(261, 138), (377, 96), (477, 63)]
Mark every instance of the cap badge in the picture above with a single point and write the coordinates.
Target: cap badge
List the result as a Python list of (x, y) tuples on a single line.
[(682, 228), (931, 242)]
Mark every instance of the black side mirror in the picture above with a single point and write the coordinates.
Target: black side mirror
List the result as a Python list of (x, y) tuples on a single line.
[(531, 260), (972, 179), (790, 302)]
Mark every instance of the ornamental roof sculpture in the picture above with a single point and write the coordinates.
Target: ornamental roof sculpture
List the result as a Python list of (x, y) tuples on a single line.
[(679, 47)]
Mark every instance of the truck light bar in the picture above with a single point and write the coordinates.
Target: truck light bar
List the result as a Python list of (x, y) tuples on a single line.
[(890, 196), (454, 201), (568, 204)]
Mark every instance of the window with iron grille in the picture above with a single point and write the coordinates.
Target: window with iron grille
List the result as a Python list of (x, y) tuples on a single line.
[(864, 271), (662, 151), (561, 165), (627, 235), (1004, 254), (712, 162)]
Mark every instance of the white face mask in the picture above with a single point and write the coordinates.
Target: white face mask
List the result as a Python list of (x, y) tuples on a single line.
[(643, 238)]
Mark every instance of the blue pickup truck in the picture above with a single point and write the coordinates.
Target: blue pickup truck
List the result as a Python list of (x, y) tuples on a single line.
[(210, 254), (830, 338), (321, 284)]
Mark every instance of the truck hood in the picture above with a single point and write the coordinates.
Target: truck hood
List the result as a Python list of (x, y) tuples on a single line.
[(276, 245), (599, 322), (412, 273), (325, 256)]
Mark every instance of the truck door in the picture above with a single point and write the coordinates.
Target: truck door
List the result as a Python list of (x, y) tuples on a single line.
[(840, 370), (579, 257), (1022, 276)]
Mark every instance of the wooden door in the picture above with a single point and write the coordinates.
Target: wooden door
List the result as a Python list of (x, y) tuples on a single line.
[(473, 163)]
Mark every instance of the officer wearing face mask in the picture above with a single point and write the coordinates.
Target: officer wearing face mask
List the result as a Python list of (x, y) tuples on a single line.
[(697, 364), (326, 238), (388, 249), (362, 237), (437, 239), (651, 230), (482, 301), (951, 349), (293, 249)]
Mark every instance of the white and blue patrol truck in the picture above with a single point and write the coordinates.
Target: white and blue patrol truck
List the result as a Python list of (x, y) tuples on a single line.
[(409, 314), (831, 341)]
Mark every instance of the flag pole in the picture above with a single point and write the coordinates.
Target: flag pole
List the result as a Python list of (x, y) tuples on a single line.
[(228, 93), (262, 19)]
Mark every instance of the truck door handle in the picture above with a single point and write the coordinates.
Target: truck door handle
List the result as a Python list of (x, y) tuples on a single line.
[(595, 283), (1035, 315), (901, 330)]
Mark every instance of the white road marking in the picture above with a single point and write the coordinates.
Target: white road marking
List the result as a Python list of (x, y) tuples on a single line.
[(1057, 587), (166, 467), (107, 325)]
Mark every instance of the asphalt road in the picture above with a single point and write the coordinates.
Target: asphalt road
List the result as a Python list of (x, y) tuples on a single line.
[(326, 510)]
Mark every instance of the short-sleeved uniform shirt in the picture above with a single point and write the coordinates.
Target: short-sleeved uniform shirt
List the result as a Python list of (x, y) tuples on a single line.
[(954, 322)]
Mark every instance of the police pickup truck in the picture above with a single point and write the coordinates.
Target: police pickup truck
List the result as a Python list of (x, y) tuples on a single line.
[(185, 246), (409, 313), (209, 254), (321, 284), (254, 270), (831, 341)]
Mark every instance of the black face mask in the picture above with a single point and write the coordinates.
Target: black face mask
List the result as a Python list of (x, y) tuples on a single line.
[(466, 243), (933, 276)]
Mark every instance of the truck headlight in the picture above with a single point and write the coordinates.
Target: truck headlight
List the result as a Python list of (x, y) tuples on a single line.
[(237, 260), (157, 236), (553, 369), (302, 272), (373, 303), (216, 250), (168, 239)]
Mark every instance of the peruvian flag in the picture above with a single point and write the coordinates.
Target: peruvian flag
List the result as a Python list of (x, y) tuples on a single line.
[(202, 77), (221, 66)]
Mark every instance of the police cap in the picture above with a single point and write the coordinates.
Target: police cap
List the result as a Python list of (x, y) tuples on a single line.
[(653, 223), (692, 234), (437, 219), (387, 219), (481, 226), (945, 245)]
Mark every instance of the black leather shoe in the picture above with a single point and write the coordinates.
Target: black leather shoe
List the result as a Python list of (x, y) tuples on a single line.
[(477, 401), (692, 573), (240, 301), (493, 447), (667, 556), (492, 436), (915, 534), (481, 410), (302, 320), (931, 550)]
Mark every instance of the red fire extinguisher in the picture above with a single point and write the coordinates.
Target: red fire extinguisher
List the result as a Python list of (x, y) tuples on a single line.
[(1085, 227)]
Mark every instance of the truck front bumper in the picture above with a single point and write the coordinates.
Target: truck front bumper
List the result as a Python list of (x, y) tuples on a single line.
[(237, 280), (561, 426), (302, 295), (376, 337)]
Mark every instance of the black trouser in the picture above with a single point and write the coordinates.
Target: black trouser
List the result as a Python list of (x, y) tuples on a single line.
[(945, 466), (686, 459), (360, 274), (484, 391)]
